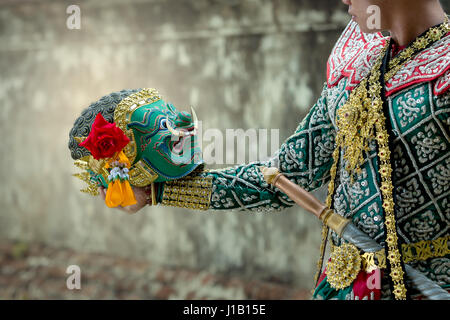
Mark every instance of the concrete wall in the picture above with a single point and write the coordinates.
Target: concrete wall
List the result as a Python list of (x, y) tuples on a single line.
[(243, 64)]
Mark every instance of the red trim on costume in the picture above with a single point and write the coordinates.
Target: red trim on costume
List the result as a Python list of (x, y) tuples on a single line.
[(442, 84), (359, 66), (322, 276), (365, 286), (368, 285), (346, 48), (355, 53), (428, 65)]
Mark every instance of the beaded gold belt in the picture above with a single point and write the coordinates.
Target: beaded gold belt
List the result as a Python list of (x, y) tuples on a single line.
[(346, 261)]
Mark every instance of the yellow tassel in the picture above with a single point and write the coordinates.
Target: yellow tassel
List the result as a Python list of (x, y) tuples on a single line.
[(120, 192), (124, 159), (128, 194), (114, 195)]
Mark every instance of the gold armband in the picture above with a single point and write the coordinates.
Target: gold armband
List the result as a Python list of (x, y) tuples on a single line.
[(189, 192)]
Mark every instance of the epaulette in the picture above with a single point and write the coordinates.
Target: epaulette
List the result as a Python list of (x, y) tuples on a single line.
[(429, 65), (355, 52), (353, 45)]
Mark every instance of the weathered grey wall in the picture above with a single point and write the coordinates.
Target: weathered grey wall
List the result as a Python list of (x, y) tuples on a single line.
[(243, 64)]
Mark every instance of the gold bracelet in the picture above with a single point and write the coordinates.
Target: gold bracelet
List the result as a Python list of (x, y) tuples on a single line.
[(189, 192)]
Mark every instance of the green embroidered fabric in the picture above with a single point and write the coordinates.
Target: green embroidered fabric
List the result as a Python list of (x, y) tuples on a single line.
[(305, 157), (421, 161)]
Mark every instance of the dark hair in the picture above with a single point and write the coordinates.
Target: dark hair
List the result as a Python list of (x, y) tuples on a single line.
[(82, 126)]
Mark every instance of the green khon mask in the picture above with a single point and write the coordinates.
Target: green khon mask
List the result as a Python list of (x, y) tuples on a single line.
[(163, 143)]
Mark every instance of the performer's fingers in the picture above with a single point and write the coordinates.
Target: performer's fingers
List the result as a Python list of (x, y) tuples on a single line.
[(102, 192), (128, 209)]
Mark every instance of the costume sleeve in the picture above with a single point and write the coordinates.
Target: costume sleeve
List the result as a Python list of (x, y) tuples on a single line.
[(305, 158)]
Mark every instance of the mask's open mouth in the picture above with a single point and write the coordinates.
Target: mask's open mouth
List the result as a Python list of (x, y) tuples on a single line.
[(178, 146), (186, 136)]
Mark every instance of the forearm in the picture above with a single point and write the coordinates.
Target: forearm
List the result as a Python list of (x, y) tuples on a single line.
[(236, 188), (305, 158)]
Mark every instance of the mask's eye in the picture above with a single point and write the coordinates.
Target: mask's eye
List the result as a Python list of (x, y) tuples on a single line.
[(163, 124)]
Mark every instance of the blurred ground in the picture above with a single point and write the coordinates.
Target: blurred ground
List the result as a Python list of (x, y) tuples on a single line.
[(39, 272)]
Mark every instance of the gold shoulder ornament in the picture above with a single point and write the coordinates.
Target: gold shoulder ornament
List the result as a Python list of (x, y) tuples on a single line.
[(362, 120)]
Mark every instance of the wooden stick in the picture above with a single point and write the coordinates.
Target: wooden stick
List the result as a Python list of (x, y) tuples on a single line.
[(304, 199)]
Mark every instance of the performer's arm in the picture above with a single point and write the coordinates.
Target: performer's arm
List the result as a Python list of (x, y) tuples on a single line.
[(305, 158)]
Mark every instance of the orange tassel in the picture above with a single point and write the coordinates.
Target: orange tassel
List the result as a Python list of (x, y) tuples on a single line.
[(120, 192), (128, 194), (122, 158), (114, 195)]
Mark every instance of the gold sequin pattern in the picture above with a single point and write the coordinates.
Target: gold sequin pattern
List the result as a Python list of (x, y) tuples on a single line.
[(361, 120), (189, 192), (426, 249), (142, 175), (394, 257), (418, 251), (431, 36), (124, 110), (344, 266), (373, 260)]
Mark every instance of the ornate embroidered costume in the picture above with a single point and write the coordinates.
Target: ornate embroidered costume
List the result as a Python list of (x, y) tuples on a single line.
[(390, 175), (418, 102)]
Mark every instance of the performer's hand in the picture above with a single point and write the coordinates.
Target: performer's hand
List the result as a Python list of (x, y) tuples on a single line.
[(141, 196)]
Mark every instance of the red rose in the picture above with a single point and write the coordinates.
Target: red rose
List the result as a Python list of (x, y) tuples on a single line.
[(105, 139)]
